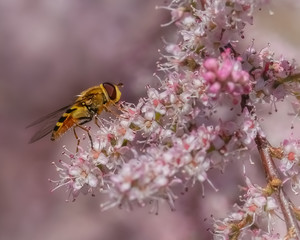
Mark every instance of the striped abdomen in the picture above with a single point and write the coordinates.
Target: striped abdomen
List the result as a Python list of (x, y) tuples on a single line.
[(63, 124)]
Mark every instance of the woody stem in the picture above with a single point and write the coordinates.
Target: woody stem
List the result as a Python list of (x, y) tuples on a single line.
[(263, 147)]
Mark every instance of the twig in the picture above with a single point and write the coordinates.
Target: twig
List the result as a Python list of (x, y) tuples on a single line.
[(272, 176)]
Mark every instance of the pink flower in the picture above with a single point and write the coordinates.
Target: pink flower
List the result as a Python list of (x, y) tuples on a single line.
[(81, 175)]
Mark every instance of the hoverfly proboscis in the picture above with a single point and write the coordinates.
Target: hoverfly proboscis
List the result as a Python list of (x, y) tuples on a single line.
[(88, 105)]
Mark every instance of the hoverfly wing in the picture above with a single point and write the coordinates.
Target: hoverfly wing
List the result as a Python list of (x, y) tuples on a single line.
[(41, 133), (48, 121), (52, 115)]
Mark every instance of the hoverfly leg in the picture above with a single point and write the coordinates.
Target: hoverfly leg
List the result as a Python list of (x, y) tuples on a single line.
[(77, 138), (90, 137), (96, 121), (109, 111), (117, 115), (88, 133), (119, 106)]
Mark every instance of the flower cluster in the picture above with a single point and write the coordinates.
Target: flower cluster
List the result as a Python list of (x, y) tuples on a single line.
[(226, 77), (257, 205), (80, 175), (275, 78), (202, 116)]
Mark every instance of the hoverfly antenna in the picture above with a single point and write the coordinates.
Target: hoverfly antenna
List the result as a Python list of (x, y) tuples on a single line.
[(120, 85)]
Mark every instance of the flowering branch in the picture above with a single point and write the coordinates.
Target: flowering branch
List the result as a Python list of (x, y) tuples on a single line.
[(276, 185), (202, 116)]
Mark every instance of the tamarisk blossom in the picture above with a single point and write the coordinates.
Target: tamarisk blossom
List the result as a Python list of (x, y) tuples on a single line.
[(179, 131), (226, 76), (258, 206), (80, 175)]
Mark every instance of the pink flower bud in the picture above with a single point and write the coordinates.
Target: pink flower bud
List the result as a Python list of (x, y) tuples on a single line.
[(209, 77), (211, 64), (215, 88), (225, 70)]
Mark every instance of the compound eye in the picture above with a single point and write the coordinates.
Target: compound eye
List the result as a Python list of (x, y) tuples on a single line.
[(111, 90)]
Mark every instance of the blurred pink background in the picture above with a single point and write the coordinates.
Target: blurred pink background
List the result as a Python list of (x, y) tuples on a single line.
[(50, 51)]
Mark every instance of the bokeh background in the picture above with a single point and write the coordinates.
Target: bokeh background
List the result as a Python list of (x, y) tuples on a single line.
[(50, 50)]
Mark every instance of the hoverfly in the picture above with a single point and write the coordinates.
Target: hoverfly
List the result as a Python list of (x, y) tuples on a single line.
[(88, 105)]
